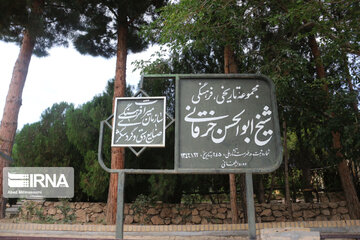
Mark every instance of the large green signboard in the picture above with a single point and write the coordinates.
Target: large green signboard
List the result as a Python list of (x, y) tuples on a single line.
[(226, 123)]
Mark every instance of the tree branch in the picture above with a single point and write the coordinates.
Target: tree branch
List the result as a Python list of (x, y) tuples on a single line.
[(306, 27), (134, 27), (350, 49), (114, 12)]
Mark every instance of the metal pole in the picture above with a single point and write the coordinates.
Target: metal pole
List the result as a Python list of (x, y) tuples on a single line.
[(250, 206), (120, 206)]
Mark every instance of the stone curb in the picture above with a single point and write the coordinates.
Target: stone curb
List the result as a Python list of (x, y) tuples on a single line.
[(174, 228)]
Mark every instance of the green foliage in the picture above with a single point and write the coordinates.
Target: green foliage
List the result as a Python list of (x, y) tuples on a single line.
[(190, 199), (197, 24), (268, 37), (164, 186), (65, 211), (101, 21), (36, 213), (83, 132), (142, 203), (49, 22), (272, 38), (45, 143), (41, 218), (208, 60), (93, 177), (67, 136), (30, 210)]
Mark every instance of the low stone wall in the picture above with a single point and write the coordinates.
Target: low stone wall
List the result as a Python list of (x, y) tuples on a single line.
[(162, 214)]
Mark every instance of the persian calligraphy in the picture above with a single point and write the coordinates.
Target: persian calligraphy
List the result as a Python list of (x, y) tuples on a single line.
[(206, 92), (213, 127), (226, 124), (209, 123), (139, 122)]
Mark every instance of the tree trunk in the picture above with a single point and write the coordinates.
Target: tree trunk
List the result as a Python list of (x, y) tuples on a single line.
[(304, 165), (233, 202), (272, 183), (344, 172), (12, 107), (320, 69), (346, 180), (230, 67), (229, 60), (260, 189), (117, 153), (306, 179), (242, 186), (286, 164)]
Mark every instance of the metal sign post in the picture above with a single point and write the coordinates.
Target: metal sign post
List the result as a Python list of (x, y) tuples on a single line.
[(250, 206), (120, 206), (225, 123)]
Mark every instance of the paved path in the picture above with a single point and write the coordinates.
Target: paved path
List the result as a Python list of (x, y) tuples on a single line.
[(31, 231)]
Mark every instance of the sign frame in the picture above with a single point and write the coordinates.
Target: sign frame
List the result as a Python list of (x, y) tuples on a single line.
[(178, 170), (135, 99), (238, 77)]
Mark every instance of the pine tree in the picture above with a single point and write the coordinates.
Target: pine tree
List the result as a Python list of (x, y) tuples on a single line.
[(36, 26), (111, 29)]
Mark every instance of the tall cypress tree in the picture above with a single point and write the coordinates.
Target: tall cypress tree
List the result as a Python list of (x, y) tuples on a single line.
[(35, 25), (111, 29)]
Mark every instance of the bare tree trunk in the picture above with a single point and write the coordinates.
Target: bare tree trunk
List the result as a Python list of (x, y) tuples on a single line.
[(233, 202), (12, 107), (229, 60), (272, 183), (286, 164), (304, 165), (117, 153), (260, 190), (306, 179), (242, 186), (320, 69), (230, 67), (346, 180), (344, 172)]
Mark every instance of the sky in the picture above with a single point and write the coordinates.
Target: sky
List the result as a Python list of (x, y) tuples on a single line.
[(64, 75)]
